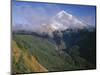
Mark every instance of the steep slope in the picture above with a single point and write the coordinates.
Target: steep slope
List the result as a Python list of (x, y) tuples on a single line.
[(35, 54), (85, 40), (45, 53), (23, 61)]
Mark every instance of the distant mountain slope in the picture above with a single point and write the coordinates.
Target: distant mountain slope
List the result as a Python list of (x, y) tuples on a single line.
[(85, 40)]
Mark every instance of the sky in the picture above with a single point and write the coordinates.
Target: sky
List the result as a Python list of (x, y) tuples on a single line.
[(35, 13)]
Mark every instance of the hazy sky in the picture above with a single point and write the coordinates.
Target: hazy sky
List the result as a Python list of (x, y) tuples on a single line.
[(34, 13)]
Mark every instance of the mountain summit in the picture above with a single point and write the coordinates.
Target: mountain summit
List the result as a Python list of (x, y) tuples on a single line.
[(61, 21), (64, 20)]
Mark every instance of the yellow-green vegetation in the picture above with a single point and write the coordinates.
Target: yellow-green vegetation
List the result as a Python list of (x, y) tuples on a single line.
[(29, 61), (28, 48)]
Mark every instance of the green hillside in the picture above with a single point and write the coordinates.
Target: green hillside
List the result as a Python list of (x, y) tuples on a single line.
[(35, 54), (23, 62)]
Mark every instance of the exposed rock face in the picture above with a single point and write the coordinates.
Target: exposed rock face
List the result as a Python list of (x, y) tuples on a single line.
[(57, 37)]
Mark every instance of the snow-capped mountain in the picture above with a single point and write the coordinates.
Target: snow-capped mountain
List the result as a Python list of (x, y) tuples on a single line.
[(64, 20), (61, 21)]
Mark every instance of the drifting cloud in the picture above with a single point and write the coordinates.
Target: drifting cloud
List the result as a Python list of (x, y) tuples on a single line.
[(89, 20), (31, 16)]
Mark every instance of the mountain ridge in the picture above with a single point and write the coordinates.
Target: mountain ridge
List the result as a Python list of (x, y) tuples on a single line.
[(61, 21)]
